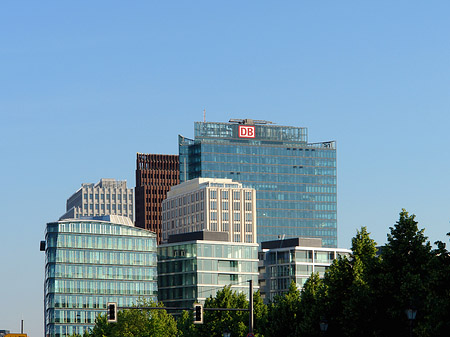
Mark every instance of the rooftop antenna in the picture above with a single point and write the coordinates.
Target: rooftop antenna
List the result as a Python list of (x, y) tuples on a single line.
[(204, 115)]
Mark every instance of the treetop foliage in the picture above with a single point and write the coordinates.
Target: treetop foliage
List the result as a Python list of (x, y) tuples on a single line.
[(365, 294)]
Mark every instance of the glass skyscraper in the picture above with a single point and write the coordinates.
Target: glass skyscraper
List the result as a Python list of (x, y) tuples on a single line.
[(295, 181), (92, 262)]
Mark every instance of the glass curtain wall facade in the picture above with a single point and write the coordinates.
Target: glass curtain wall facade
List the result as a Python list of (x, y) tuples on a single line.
[(190, 272), (89, 263), (295, 181)]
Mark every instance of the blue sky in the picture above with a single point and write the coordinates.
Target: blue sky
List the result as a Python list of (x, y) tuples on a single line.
[(85, 85)]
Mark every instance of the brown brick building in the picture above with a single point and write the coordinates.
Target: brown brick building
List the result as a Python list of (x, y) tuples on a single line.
[(155, 174)]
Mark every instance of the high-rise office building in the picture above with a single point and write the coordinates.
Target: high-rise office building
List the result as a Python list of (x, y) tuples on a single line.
[(295, 181), (207, 204), (155, 174), (107, 197), (91, 262)]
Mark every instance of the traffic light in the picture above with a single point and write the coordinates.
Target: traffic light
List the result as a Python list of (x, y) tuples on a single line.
[(198, 313), (111, 313)]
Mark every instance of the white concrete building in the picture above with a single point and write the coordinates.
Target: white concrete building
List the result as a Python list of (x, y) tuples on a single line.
[(294, 259), (207, 204), (107, 197)]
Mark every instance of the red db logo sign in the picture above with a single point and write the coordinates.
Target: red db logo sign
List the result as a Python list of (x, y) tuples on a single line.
[(246, 131)]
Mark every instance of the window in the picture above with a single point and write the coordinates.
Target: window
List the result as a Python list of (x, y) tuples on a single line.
[(214, 226), (237, 216), (225, 226), (224, 194)]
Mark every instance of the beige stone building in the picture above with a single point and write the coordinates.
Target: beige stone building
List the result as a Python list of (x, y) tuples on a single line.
[(107, 197), (207, 204)]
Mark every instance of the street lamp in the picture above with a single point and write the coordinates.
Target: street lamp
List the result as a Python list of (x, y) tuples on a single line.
[(323, 325), (226, 332), (411, 313)]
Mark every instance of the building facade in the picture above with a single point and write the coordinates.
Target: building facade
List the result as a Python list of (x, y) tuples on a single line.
[(194, 266), (89, 263), (206, 204), (295, 259), (155, 174), (107, 197), (295, 181)]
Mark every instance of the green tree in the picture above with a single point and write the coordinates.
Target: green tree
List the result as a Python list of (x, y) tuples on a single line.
[(215, 322), (311, 306), (283, 314), (404, 276), (185, 325), (359, 307), (345, 296), (261, 318), (437, 303), (137, 323)]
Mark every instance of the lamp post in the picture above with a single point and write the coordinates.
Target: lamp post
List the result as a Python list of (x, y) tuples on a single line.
[(226, 332), (323, 325), (411, 314)]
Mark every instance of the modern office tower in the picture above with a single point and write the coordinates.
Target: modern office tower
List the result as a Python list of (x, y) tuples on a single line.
[(91, 262), (217, 205), (107, 197), (295, 181), (284, 261), (155, 174), (194, 266)]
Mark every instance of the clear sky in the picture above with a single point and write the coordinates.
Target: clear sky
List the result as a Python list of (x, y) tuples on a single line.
[(84, 85)]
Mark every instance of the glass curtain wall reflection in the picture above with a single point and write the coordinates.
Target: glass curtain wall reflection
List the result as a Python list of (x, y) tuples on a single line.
[(190, 272), (295, 181), (89, 263)]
